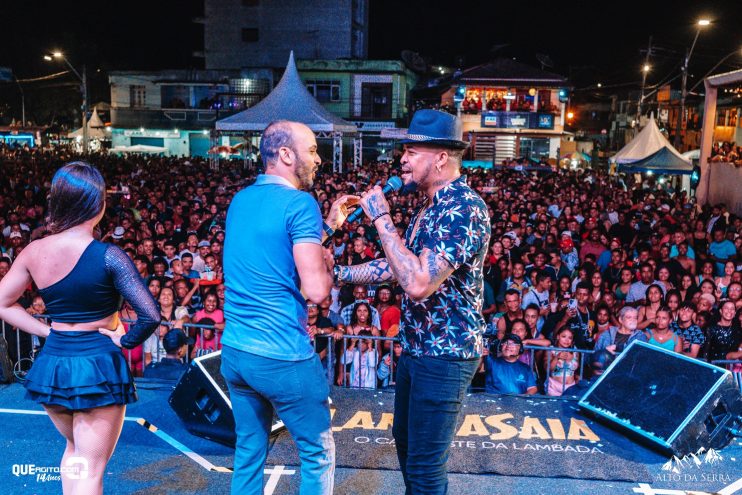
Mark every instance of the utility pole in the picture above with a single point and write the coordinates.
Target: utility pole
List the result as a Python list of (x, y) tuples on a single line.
[(23, 102), (684, 84), (84, 110), (645, 70), (83, 89)]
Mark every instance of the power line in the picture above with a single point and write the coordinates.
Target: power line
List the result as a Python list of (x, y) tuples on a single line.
[(44, 78)]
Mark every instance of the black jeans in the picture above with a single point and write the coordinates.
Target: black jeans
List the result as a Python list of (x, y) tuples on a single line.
[(428, 398)]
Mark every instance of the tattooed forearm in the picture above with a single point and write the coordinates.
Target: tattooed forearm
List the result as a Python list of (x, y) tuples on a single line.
[(417, 277), (432, 265), (375, 208), (373, 272)]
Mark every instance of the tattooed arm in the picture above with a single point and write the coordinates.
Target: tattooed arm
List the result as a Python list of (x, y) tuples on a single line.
[(418, 276), (373, 272)]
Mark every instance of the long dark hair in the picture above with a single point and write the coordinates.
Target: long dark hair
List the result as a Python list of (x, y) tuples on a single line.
[(78, 194), (354, 317)]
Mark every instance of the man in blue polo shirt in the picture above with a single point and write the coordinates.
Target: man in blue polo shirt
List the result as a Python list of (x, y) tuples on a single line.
[(273, 253)]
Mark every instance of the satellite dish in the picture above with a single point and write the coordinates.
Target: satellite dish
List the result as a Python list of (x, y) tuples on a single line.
[(545, 60), (414, 61)]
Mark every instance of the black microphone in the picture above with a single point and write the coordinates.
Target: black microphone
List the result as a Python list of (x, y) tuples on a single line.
[(393, 184)]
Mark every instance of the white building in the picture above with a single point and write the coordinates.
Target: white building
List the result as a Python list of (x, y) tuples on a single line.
[(177, 109)]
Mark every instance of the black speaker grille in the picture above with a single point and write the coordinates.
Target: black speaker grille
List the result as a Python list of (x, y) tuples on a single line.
[(652, 390), (212, 365)]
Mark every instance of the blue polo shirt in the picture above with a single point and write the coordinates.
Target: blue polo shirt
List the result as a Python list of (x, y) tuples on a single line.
[(264, 309)]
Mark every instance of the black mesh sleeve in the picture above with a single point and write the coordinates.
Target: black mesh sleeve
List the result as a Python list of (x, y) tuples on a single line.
[(127, 281)]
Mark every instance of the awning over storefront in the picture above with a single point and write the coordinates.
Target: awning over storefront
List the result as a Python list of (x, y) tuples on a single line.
[(139, 148)]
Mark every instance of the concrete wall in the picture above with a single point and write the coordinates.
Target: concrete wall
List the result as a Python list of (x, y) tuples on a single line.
[(343, 107), (351, 74), (724, 182), (120, 90), (314, 29)]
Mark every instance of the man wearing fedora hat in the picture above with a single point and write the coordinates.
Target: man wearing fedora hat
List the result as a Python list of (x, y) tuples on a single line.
[(439, 265)]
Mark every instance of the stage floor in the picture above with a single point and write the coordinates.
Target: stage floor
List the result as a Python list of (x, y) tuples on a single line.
[(156, 455)]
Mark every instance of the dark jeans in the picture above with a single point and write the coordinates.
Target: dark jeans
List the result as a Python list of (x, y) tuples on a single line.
[(428, 398)]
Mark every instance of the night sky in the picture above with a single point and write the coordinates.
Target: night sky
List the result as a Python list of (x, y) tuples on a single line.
[(588, 41)]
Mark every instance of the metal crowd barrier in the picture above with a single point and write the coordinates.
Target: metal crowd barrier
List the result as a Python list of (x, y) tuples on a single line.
[(342, 358), (327, 362), (157, 356), (354, 359), (35, 343), (550, 350), (369, 372), (24, 358)]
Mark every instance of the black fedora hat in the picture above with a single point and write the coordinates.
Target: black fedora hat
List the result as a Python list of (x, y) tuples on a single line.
[(435, 128)]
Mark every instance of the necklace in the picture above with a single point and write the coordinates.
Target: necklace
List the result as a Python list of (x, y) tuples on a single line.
[(661, 338)]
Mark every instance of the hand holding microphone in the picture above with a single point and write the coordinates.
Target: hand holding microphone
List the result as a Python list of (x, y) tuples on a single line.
[(372, 200), (374, 203)]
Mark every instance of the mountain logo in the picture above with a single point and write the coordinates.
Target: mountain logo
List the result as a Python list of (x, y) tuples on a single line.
[(697, 459)]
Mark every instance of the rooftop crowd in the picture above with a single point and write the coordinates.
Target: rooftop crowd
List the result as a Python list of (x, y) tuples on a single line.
[(580, 262), (727, 152)]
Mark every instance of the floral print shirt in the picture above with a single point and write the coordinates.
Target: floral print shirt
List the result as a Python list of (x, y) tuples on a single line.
[(456, 226)]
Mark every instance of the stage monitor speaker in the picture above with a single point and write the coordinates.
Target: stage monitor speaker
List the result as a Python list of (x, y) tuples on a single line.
[(201, 401), (679, 404)]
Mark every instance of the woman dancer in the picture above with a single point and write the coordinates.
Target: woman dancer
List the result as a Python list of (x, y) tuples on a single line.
[(81, 376)]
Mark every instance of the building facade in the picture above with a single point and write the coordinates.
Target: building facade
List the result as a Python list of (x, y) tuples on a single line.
[(177, 109), (373, 94), (509, 110), (261, 33)]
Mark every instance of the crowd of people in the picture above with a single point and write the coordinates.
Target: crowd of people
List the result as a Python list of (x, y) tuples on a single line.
[(579, 265), (727, 152)]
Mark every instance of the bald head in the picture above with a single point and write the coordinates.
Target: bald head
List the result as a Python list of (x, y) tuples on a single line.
[(276, 136), (289, 149)]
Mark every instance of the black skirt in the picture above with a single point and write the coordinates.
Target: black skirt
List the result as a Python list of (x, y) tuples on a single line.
[(80, 370)]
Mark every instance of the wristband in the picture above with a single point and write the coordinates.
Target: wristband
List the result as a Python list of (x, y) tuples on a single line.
[(330, 232), (373, 221), (335, 273)]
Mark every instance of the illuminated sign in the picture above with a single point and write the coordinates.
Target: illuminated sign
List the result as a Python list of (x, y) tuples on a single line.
[(489, 120), (545, 121), (154, 133), (518, 120)]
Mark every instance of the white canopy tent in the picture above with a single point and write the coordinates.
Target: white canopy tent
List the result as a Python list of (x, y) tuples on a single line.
[(649, 141), (290, 100), (96, 128), (692, 154)]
